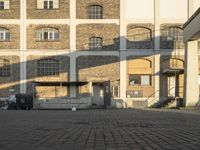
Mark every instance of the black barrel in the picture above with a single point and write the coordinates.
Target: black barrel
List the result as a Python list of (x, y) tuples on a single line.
[(24, 101)]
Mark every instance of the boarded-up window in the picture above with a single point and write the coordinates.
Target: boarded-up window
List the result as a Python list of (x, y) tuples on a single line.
[(139, 34)]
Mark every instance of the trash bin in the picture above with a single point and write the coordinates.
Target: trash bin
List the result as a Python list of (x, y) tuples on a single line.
[(24, 101)]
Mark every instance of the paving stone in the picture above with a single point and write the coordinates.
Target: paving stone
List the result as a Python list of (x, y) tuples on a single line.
[(113, 129)]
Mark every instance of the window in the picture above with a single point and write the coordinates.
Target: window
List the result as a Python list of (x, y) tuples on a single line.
[(4, 4), (4, 34), (139, 34), (47, 4), (95, 43), (115, 91), (175, 34), (139, 79), (47, 34), (47, 67), (95, 12), (1, 4), (4, 68)]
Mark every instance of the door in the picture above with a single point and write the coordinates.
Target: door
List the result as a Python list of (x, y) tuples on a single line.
[(97, 94), (171, 86)]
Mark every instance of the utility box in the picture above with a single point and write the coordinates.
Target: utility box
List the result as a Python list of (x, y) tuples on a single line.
[(24, 101)]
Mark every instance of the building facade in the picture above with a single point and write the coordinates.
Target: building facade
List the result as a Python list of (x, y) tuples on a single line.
[(84, 53)]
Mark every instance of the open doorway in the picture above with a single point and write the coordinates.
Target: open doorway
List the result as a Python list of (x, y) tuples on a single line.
[(97, 94)]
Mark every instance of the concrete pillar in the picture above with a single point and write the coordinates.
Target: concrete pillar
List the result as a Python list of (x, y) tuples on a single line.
[(123, 66), (157, 49), (73, 46), (22, 46), (191, 83), (123, 75), (72, 73), (157, 77), (157, 24)]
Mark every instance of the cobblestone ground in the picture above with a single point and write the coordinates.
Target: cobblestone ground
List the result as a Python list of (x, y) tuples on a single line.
[(99, 130)]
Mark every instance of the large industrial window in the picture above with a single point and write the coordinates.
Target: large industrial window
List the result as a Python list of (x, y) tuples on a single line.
[(175, 34), (4, 34), (139, 79), (4, 68), (47, 34), (95, 12), (47, 67), (95, 43)]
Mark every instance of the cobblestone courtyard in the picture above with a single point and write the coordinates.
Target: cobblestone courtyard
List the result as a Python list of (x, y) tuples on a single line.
[(99, 129)]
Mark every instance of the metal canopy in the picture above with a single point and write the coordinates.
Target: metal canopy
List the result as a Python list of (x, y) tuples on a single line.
[(173, 71)]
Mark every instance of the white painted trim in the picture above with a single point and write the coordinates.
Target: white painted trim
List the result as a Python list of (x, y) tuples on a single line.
[(98, 21), (135, 21), (9, 21), (48, 21)]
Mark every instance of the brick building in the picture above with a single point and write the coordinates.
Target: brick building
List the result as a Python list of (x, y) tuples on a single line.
[(84, 53)]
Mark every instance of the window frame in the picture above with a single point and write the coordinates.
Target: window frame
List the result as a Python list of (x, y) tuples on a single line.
[(48, 67), (140, 79), (95, 11), (2, 7), (174, 34), (47, 6), (94, 41), (4, 34), (48, 34), (4, 68)]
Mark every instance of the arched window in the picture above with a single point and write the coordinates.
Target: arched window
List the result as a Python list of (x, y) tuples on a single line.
[(139, 34), (95, 43), (47, 34), (4, 68), (175, 34), (47, 67), (95, 12), (4, 34)]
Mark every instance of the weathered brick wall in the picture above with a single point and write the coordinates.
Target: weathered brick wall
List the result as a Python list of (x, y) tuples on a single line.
[(111, 8), (13, 12), (164, 44), (140, 44), (109, 33), (97, 68), (11, 82), (34, 13), (32, 75), (62, 43), (147, 90), (167, 62), (14, 42)]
